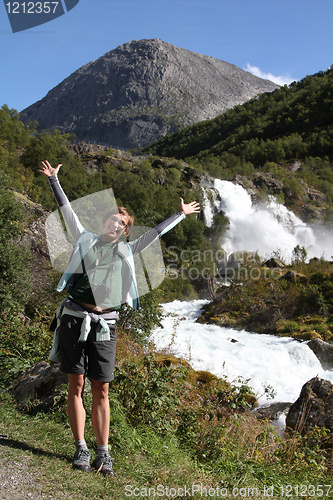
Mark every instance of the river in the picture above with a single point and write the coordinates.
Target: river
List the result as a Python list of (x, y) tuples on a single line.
[(264, 361)]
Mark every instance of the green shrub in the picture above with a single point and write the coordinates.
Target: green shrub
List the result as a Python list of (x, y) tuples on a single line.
[(139, 324), (11, 367), (29, 340), (147, 392), (14, 259)]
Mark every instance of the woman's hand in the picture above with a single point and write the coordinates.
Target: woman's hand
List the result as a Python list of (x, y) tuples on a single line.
[(189, 208), (47, 170)]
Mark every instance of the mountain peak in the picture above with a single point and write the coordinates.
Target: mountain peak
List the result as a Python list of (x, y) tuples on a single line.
[(141, 91)]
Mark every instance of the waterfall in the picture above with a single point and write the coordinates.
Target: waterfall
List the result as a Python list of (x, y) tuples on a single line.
[(264, 228)]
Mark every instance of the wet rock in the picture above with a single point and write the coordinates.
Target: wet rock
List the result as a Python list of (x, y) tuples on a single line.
[(248, 185), (323, 351), (313, 408), (312, 213), (272, 411)]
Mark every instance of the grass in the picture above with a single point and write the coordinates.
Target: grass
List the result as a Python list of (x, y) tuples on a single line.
[(47, 446), (148, 464)]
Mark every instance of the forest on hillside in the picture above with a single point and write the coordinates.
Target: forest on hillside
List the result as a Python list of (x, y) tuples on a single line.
[(267, 134)]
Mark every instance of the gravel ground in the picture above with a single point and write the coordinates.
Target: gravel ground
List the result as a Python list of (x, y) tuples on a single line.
[(17, 480)]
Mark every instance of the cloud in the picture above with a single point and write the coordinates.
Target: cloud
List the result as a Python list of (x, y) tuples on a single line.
[(280, 80)]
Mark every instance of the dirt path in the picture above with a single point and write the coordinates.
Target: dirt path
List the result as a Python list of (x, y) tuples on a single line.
[(17, 480)]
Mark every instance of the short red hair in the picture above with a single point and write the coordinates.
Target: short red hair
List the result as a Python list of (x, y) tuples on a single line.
[(121, 211)]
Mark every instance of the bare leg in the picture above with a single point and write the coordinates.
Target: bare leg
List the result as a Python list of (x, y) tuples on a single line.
[(75, 409), (100, 415)]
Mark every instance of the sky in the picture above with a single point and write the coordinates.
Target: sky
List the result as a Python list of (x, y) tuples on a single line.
[(280, 40)]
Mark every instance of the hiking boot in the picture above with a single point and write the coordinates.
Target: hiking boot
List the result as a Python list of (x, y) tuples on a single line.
[(81, 460), (103, 465)]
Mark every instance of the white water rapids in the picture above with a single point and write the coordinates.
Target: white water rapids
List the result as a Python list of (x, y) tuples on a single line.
[(282, 363), (265, 361)]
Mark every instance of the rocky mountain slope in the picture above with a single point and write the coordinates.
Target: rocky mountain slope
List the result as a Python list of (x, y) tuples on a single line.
[(141, 91)]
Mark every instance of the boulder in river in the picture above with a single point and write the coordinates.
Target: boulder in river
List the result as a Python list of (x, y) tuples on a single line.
[(313, 408), (323, 351)]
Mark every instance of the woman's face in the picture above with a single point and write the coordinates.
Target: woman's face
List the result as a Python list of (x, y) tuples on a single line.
[(115, 226)]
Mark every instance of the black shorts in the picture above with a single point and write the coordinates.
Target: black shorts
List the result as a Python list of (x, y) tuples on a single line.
[(95, 359)]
